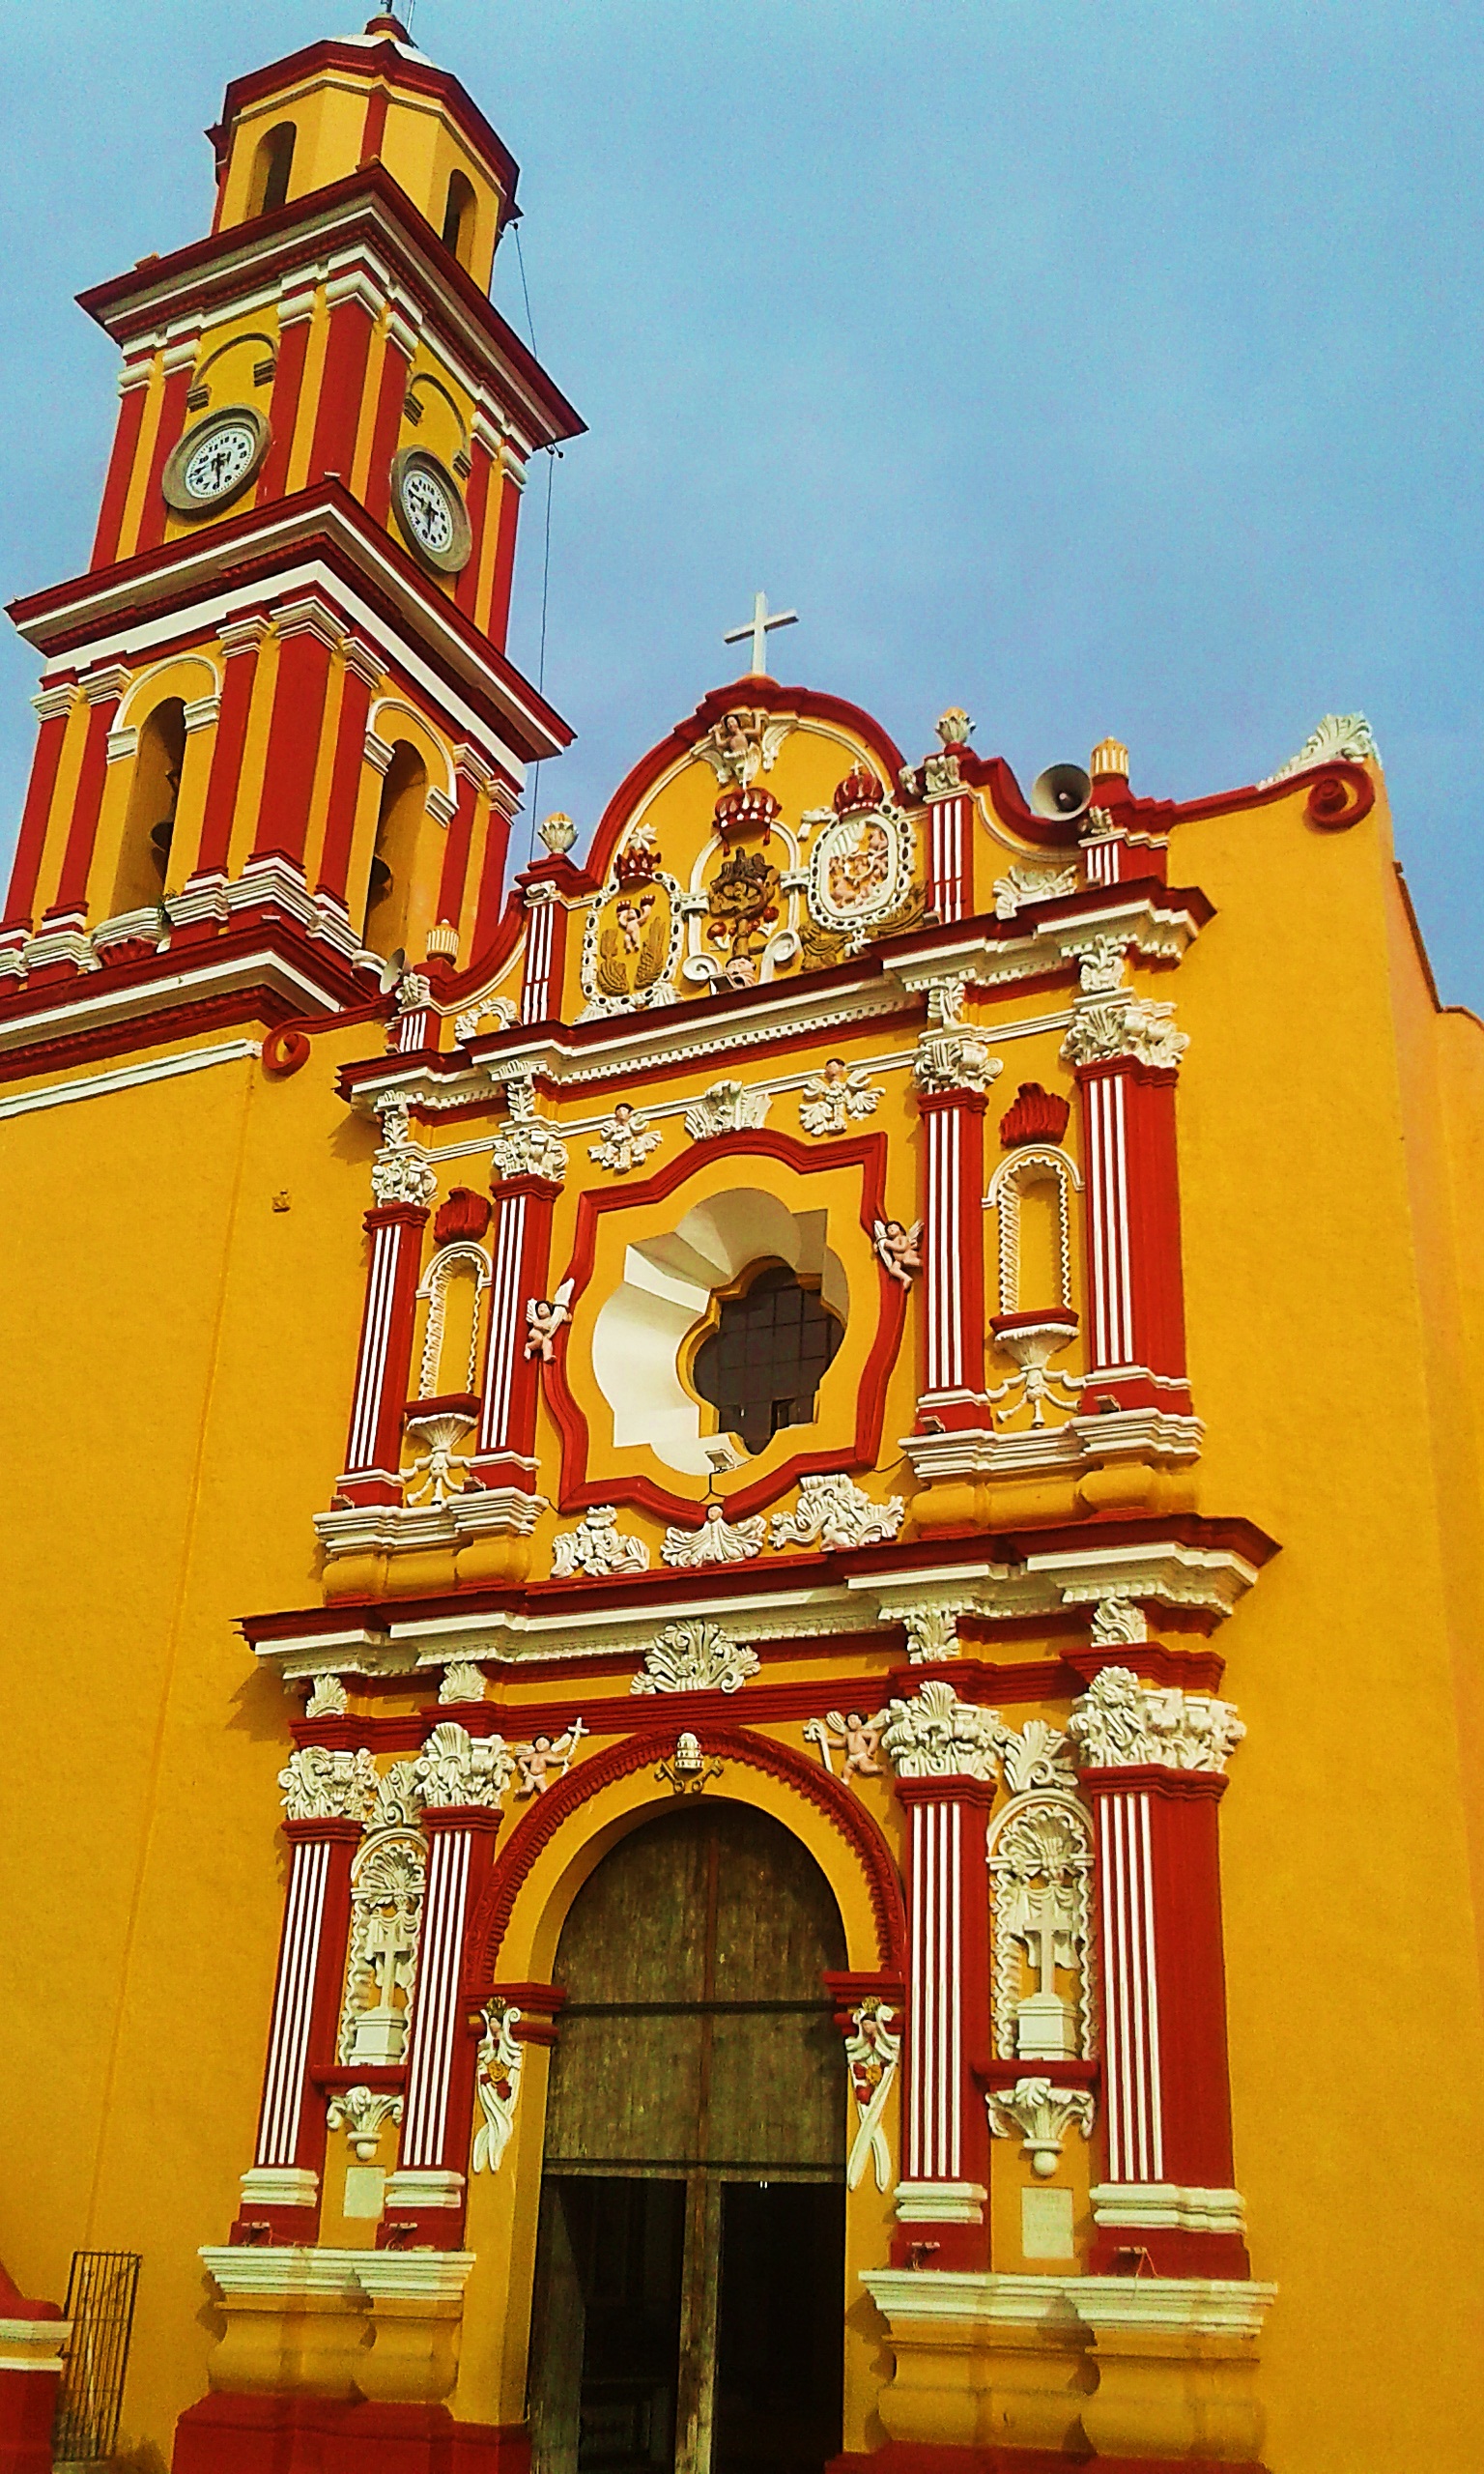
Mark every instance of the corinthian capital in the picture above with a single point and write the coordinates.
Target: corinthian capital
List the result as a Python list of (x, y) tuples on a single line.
[(455, 1768), (1121, 1025), (319, 1785), (937, 1736), (1123, 1724)]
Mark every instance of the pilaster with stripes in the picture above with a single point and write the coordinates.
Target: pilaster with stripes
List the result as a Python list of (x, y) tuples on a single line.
[(520, 1246), (546, 930), (426, 2192), (1166, 2189), (383, 1361), (1126, 1051), (950, 857), (953, 1278), (281, 2189), (942, 1750)]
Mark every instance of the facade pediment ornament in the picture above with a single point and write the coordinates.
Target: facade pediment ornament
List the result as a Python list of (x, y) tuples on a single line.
[(1105, 1028), (1024, 885), (454, 1767), (696, 1658), (836, 1514), (726, 1108), (717, 1540), (937, 1736), (597, 1545), (1341, 738), (319, 1785), (401, 1171), (1121, 1724)]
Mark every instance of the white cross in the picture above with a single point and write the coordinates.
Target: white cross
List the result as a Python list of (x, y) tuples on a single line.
[(763, 619)]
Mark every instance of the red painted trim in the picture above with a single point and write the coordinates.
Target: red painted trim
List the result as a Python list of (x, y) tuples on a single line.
[(477, 502), (504, 560), (866, 1152), (172, 421), (31, 843), (266, 936), (344, 784), (294, 736), (500, 922), (539, 1824), (368, 207), (87, 799), (386, 429), (1161, 816), (451, 885), (121, 468), (240, 674), (283, 411), (151, 586), (284, 2431), (374, 127), (342, 385), (766, 695)]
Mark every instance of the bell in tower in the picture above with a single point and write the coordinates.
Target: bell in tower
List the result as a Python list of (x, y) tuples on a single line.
[(280, 738)]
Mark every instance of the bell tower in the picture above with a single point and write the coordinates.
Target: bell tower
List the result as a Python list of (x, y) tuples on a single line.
[(281, 737)]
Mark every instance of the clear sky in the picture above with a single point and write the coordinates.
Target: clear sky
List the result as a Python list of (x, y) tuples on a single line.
[(1103, 366)]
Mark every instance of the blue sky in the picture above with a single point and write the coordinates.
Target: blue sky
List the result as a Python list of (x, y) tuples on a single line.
[(1103, 366)]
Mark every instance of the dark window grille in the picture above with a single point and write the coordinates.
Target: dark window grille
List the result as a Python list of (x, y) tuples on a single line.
[(761, 1367), (101, 2306)]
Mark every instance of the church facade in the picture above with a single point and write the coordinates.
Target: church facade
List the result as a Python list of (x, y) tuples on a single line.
[(752, 1684)]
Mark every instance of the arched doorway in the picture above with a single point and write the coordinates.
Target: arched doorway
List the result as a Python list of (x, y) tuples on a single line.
[(691, 2257)]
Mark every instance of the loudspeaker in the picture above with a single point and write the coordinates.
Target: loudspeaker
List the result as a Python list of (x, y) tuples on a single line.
[(1062, 790)]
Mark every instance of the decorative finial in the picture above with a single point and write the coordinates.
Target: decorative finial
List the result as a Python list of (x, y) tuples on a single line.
[(559, 834), (759, 626), (1109, 756), (953, 727)]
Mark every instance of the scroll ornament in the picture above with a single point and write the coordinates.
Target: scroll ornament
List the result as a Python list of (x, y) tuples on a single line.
[(872, 2052), (836, 1514), (717, 1540), (696, 1658), (595, 1546), (1105, 1027), (496, 2085)]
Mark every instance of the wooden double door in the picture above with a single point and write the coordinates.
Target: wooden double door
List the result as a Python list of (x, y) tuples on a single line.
[(690, 2273)]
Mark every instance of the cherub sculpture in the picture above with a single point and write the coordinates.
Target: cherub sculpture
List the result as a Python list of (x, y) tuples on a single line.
[(900, 1248), (537, 1760), (858, 1736), (831, 1099), (544, 1319)]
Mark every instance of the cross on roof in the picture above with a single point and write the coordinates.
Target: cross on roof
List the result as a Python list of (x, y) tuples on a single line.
[(761, 622)]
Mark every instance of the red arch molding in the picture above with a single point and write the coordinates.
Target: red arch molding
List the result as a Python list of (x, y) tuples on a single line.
[(539, 1825)]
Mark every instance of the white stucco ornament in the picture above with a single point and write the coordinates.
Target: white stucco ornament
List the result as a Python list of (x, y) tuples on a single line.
[(1120, 1723), (836, 1514), (696, 1658), (937, 1736)]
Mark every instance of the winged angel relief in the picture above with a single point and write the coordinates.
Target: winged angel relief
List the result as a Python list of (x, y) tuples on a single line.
[(632, 938)]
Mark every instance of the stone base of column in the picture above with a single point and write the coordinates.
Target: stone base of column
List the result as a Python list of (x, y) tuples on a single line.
[(33, 2336), (248, 2435)]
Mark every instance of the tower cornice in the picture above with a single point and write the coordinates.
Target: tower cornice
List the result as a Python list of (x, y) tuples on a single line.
[(129, 605), (252, 262)]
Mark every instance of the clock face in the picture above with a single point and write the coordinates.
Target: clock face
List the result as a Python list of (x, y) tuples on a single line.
[(429, 508), (220, 461), (429, 511)]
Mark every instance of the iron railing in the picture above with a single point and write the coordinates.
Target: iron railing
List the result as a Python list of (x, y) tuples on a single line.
[(101, 2306)]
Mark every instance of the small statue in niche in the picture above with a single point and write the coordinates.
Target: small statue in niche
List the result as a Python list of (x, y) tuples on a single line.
[(900, 1248), (544, 1319)]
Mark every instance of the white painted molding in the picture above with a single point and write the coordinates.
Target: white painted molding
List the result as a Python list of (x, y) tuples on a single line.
[(128, 1078), (280, 2186), (940, 2202), (1165, 2207), (1208, 2306)]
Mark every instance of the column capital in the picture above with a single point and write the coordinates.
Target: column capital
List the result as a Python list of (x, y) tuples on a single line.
[(937, 1742), (1120, 1028), (1121, 1724)]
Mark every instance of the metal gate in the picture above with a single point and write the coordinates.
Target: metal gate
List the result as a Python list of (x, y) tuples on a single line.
[(101, 2306)]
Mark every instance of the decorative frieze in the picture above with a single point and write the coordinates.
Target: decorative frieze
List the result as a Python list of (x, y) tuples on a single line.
[(836, 1514), (1120, 1723), (696, 1658)]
